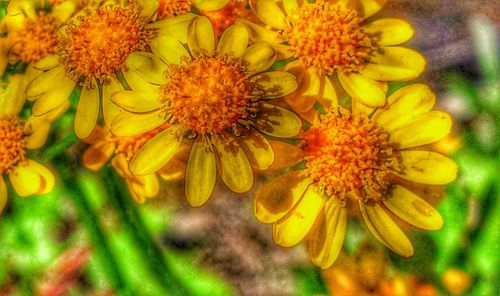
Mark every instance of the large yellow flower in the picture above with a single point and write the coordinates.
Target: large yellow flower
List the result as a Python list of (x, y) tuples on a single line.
[(355, 161), (218, 97), (335, 47), (17, 136), (106, 146)]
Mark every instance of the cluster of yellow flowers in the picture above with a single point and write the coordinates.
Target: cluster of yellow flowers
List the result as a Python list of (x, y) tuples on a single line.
[(188, 89)]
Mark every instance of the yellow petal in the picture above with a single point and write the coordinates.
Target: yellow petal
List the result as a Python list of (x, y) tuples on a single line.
[(269, 12), (405, 105), (3, 194), (53, 98), (210, 5), (47, 63), (235, 169), (285, 155), (138, 82), (169, 49), (386, 230), (128, 124), (109, 109), (137, 101), (87, 112), (277, 197), (294, 227), (96, 156), (290, 6), (414, 210), (146, 186), (148, 65), (47, 178), (259, 57), (276, 83), (234, 41), (259, 33), (201, 35), (40, 128), (156, 152), (364, 89), (176, 27), (12, 99), (395, 64), (30, 178), (370, 7), (201, 173), (258, 150), (278, 122), (427, 167), (389, 31), (64, 10), (45, 81), (424, 129)]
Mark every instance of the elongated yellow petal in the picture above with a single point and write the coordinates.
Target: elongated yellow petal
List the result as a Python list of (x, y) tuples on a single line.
[(389, 31), (136, 101), (270, 13), (201, 35), (30, 178), (3, 194), (201, 173), (109, 109), (169, 49), (146, 186), (290, 6), (259, 33), (45, 81), (40, 128), (47, 178), (258, 150), (96, 156), (259, 57), (294, 227), (210, 5), (395, 64), (235, 169), (277, 197), (385, 230), (87, 112), (276, 83), (278, 122), (176, 27), (150, 67), (427, 167), (156, 152), (414, 210), (234, 40), (128, 124), (425, 129), (370, 7), (47, 63), (364, 89), (53, 98), (405, 105), (138, 82)]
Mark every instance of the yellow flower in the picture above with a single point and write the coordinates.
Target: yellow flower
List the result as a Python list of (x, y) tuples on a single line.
[(352, 161), (26, 176), (219, 96), (105, 146), (336, 50)]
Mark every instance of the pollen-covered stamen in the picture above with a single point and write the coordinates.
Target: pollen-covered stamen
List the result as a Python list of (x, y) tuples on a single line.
[(207, 94), (169, 8), (128, 146), (223, 18), (97, 44), (36, 39), (12, 144), (329, 37), (349, 155)]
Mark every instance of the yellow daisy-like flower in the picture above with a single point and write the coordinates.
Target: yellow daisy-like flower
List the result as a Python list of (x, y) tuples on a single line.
[(353, 160), (336, 47), (105, 146), (26, 176), (219, 96)]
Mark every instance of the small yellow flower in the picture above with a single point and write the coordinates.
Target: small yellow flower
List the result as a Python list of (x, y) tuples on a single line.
[(17, 136), (336, 49), (105, 146), (353, 160), (218, 98)]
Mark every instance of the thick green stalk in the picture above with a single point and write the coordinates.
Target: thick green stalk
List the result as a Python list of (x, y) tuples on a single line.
[(61, 146)]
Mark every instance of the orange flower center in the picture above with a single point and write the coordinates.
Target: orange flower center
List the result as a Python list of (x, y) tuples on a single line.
[(223, 18), (169, 8), (128, 146), (207, 94), (329, 37), (36, 39), (13, 143), (96, 45), (349, 155)]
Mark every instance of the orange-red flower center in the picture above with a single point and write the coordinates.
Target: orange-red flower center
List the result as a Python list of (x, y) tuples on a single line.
[(169, 8), (36, 39), (329, 37), (207, 94), (96, 45), (349, 155), (12, 144)]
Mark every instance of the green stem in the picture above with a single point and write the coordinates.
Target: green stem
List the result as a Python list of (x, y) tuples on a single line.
[(95, 232), (60, 147), (122, 202)]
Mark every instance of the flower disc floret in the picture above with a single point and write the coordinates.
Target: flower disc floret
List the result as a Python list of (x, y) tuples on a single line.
[(208, 93), (349, 155), (13, 143), (329, 37)]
